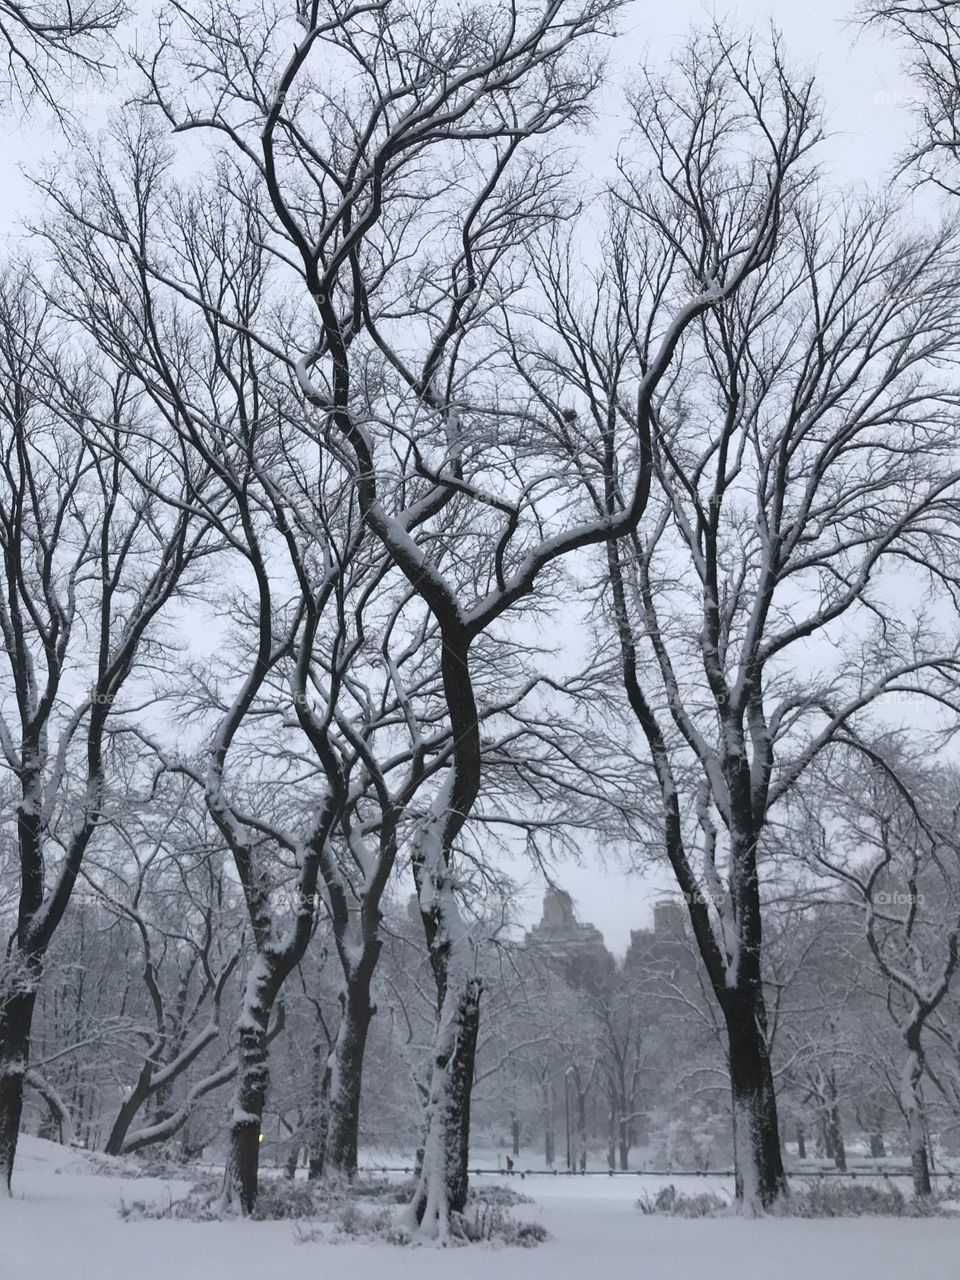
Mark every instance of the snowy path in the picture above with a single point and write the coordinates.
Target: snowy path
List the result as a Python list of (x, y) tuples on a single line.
[(63, 1226)]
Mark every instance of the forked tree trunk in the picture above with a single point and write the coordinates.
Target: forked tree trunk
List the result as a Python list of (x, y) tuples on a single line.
[(758, 1162), (16, 1018), (443, 1181)]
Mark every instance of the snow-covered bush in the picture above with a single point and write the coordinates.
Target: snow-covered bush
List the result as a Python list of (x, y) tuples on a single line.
[(278, 1198), (675, 1204), (499, 1194), (355, 1223), (837, 1199), (284, 1198), (489, 1222)]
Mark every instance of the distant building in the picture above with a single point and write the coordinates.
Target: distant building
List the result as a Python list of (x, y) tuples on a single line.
[(564, 940), (666, 941)]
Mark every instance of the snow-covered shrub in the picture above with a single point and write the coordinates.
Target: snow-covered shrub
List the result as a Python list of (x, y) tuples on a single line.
[(675, 1204), (382, 1189), (195, 1208), (497, 1193), (276, 1198), (355, 1223), (491, 1223), (284, 1198), (834, 1198)]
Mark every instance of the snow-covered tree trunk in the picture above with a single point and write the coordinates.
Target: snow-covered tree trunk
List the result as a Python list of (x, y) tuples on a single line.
[(58, 1108), (912, 1103), (580, 1131), (758, 1163), (835, 1130), (128, 1111), (548, 1102), (346, 1077), (442, 1183), (253, 1078), (16, 1017)]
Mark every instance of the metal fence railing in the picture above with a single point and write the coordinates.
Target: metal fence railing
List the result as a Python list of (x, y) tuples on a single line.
[(516, 1172)]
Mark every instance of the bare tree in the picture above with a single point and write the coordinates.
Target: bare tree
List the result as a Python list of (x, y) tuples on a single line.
[(346, 683), (697, 578), (164, 877), (455, 106), (929, 32), (43, 43), (892, 844), (89, 561)]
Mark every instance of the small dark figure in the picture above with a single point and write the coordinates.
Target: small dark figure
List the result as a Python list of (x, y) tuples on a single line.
[(509, 1165)]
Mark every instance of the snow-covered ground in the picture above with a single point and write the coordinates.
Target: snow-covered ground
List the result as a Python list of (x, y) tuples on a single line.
[(62, 1225)]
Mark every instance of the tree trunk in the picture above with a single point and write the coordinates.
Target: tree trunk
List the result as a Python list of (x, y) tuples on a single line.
[(549, 1137), (346, 1077), (59, 1111), (581, 1131), (837, 1147), (253, 1076), (825, 1145), (128, 1112), (801, 1143), (758, 1161), (16, 1018), (878, 1147), (319, 1113), (515, 1133), (442, 1183), (912, 1101), (920, 1167)]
